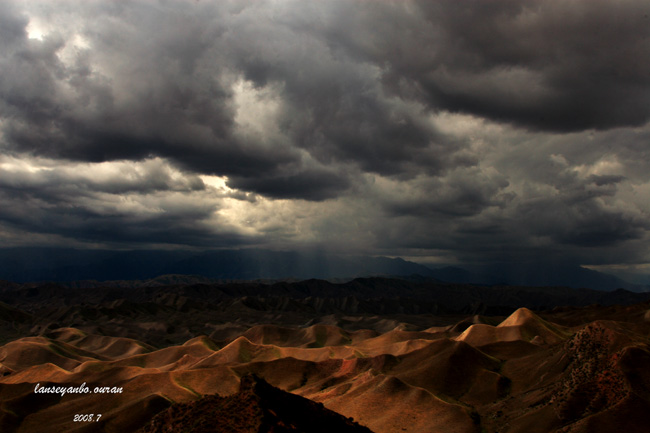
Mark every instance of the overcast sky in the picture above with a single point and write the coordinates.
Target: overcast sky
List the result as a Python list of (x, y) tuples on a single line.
[(442, 131)]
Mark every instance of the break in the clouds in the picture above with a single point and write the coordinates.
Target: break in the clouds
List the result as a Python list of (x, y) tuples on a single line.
[(454, 131)]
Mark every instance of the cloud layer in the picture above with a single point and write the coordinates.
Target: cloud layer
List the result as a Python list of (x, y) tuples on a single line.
[(473, 132)]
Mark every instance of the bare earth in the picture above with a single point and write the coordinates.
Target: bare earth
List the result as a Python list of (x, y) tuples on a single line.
[(578, 369)]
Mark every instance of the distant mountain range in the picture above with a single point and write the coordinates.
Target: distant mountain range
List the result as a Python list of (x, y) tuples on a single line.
[(69, 265), (537, 274), (64, 265)]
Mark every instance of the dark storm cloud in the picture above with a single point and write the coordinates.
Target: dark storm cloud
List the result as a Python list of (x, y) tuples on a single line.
[(127, 99), (106, 223), (87, 220), (158, 81), (348, 88), (127, 204), (560, 210), (12, 26), (474, 129), (114, 230), (310, 185), (558, 66), (334, 106), (601, 180), (55, 182), (576, 198), (464, 192), (580, 222)]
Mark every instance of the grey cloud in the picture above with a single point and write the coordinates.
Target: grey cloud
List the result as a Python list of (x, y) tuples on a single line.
[(353, 91), (602, 180), (12, 26), (336, 107), (538, 204), (560, 66), (126, 99), (74, 212), (123, 204), (179, 98), (311, 185), (582, 224), (463, 192), (149, 177)]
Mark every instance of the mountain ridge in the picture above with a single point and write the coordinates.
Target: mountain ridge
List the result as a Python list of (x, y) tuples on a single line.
[(67, 265)]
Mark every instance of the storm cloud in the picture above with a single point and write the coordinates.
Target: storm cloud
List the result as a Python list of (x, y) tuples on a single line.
[(454, 132)]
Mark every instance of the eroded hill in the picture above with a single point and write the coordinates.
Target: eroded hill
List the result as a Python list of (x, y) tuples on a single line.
[(566, 369)]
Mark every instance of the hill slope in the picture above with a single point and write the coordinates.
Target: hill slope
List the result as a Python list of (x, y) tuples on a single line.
[(257, 407)]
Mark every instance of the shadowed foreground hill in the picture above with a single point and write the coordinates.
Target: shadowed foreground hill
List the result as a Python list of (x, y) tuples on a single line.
[(257, 407)]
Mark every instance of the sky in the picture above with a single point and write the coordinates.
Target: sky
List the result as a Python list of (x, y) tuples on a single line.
[(440, 131)]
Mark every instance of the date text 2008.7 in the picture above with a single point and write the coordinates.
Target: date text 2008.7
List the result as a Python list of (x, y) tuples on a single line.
[(87, 417)]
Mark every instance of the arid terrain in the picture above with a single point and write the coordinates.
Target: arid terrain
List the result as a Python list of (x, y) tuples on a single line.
[(392, 356)]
